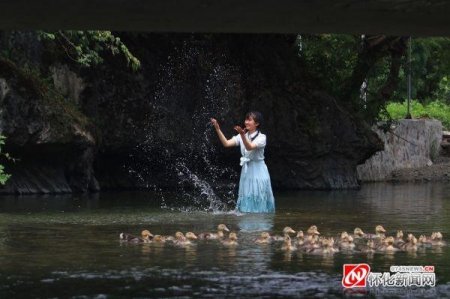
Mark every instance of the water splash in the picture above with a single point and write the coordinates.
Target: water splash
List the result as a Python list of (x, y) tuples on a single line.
[(194, 175)]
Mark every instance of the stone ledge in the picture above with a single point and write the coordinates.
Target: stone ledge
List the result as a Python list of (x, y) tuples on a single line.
[(412, 144)]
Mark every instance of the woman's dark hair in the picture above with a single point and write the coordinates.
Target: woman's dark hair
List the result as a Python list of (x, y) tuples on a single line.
[(257, 117)]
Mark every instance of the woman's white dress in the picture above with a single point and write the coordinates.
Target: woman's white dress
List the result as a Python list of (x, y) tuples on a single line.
[(255, 190)]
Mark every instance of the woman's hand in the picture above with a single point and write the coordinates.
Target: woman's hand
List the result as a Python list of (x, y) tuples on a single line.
[(215, 123), (239, 129)]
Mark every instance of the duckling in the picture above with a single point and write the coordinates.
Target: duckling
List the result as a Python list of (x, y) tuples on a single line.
[(191, 236), (311, 243), (333, 245), (423, 241), (214, 236), (347, 242), (379, 233), (399, 242), (358, 233), (300, 238), (169, 238), (126, 237), (146, 236), (387, 246), (287, 244), (411, 245), (231, 241), (318, 248), (159, 239), (343, 238), (369, 247), (286, 231), (312, 238), (312, 230), (264, 238), (326, 247), (436, 239), (181, 240)]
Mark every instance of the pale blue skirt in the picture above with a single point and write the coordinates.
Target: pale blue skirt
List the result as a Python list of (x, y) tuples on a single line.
[(255, 190)]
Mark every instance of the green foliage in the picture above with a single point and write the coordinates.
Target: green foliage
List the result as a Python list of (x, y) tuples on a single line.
[(435, 109), (87, 47), (3, 176), (443, 90), (330, 58), (430, 65)]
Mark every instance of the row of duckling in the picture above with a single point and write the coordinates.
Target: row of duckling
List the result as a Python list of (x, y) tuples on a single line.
[(181, 239), (309, 242), (313, 243)]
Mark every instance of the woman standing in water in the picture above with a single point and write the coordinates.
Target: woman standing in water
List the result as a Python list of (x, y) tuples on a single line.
[(255, 190)]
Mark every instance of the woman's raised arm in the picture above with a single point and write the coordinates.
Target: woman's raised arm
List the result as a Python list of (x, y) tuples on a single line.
[(226, 142)]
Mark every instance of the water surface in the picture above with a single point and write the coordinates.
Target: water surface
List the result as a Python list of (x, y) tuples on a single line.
[(68, 246)]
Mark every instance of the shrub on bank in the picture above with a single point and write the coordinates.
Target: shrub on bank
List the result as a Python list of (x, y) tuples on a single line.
[(435, 109)]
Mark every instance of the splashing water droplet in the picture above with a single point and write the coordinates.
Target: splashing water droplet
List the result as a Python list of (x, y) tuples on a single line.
[(199, 175)]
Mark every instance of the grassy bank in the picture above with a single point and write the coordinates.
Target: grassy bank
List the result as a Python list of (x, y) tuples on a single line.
[(435, 109)]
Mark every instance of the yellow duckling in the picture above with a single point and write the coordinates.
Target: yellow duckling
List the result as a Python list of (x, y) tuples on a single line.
[(379, 233), (423, 241), (333, 245), (181, 240), (311, 242), (264, 238), (369, 248), (300, 238), (286, 231), (358, 233), (287, 244), (398, 242), (326, 247), (214, 236), (347, 242), (146, 236), (411, 245), (387, 246), (312, 230), (159, 239), (312, 238), (343, 238), (191, 236), (231, 241), (436, 239), (410, 237)]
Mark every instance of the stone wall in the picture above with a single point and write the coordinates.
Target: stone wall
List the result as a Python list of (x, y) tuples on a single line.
[(411, 143)]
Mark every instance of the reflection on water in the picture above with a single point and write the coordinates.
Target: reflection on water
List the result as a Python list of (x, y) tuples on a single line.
[(65, 246), (256, 222)]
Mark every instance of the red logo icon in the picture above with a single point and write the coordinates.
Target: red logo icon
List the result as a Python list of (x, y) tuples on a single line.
[(355, 275)]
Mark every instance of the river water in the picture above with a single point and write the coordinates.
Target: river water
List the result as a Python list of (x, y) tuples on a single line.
[(68, 246)]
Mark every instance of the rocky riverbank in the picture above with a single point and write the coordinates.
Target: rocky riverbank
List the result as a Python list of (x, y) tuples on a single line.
[(438, 171)]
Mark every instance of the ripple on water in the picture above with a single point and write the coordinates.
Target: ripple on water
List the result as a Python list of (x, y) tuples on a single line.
[(77, 253)]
